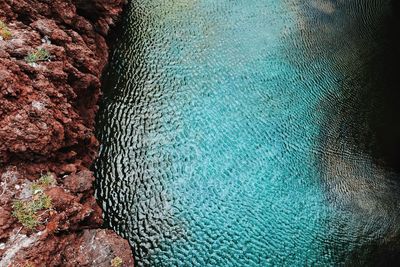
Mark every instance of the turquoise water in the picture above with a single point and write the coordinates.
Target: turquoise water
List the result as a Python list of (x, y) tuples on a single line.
[(224, 134)]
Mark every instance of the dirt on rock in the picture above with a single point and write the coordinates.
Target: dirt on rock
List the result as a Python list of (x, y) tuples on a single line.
[(51, 60)]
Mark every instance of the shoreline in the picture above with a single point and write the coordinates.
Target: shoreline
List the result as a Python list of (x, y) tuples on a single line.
[(52, 57)]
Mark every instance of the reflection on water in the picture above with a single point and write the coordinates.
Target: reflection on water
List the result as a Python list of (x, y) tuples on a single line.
[(249, 133)]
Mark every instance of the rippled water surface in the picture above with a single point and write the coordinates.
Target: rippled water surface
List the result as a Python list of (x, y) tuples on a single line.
[(237, 133)]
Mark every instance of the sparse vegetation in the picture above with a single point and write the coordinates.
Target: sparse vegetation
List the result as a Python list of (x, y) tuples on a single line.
[(116, 262), (44, 181), (5, 32), (40, 54), (26, 211)]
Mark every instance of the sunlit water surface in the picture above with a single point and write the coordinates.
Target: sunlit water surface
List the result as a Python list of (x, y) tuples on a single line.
[(227, 131)]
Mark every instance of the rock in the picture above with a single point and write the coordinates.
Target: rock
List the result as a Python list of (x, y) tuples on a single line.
[(90, 247), (6, 221), (47, 112), (61, 200), (80, 182), (97, 247)]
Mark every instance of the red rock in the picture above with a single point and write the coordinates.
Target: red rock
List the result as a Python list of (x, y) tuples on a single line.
[(90, 247), (6, 222), (69, 168), (97, 247), (47, 115), (48, 27), (61, 200), (79, 182)]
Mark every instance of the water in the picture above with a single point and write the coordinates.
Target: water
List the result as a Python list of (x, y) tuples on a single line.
[(239, 133)]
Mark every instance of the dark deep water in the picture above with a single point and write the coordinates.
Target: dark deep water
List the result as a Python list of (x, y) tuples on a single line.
[(253, 133)]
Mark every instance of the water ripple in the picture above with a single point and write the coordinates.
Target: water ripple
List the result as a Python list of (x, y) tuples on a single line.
[(233, 134)]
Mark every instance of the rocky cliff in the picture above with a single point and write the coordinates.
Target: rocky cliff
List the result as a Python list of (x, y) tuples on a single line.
[(52, 53)]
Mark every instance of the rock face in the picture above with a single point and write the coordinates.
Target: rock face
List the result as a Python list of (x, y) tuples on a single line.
[(47, 111)]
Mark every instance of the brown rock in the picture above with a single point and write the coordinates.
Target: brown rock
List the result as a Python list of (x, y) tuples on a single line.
[(61, 200), (91, 247), (47, 115), (79, 182), (6, 222), (97, 247)]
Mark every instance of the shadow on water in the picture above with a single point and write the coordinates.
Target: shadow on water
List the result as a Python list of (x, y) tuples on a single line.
[(380, 104), (129, 108), (362, 133), (111, 78), (373, 110), (361, 40), (382, 97)]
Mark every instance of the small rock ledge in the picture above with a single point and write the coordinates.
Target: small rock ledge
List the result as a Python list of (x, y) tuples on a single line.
[(52, 54)]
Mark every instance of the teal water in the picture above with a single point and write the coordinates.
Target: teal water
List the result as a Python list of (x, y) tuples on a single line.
[(227, 134)]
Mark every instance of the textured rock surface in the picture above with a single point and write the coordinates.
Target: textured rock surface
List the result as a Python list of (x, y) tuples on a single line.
[(46, 125)]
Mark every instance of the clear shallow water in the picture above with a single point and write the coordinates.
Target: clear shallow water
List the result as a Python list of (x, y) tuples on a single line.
[(230, 134)]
